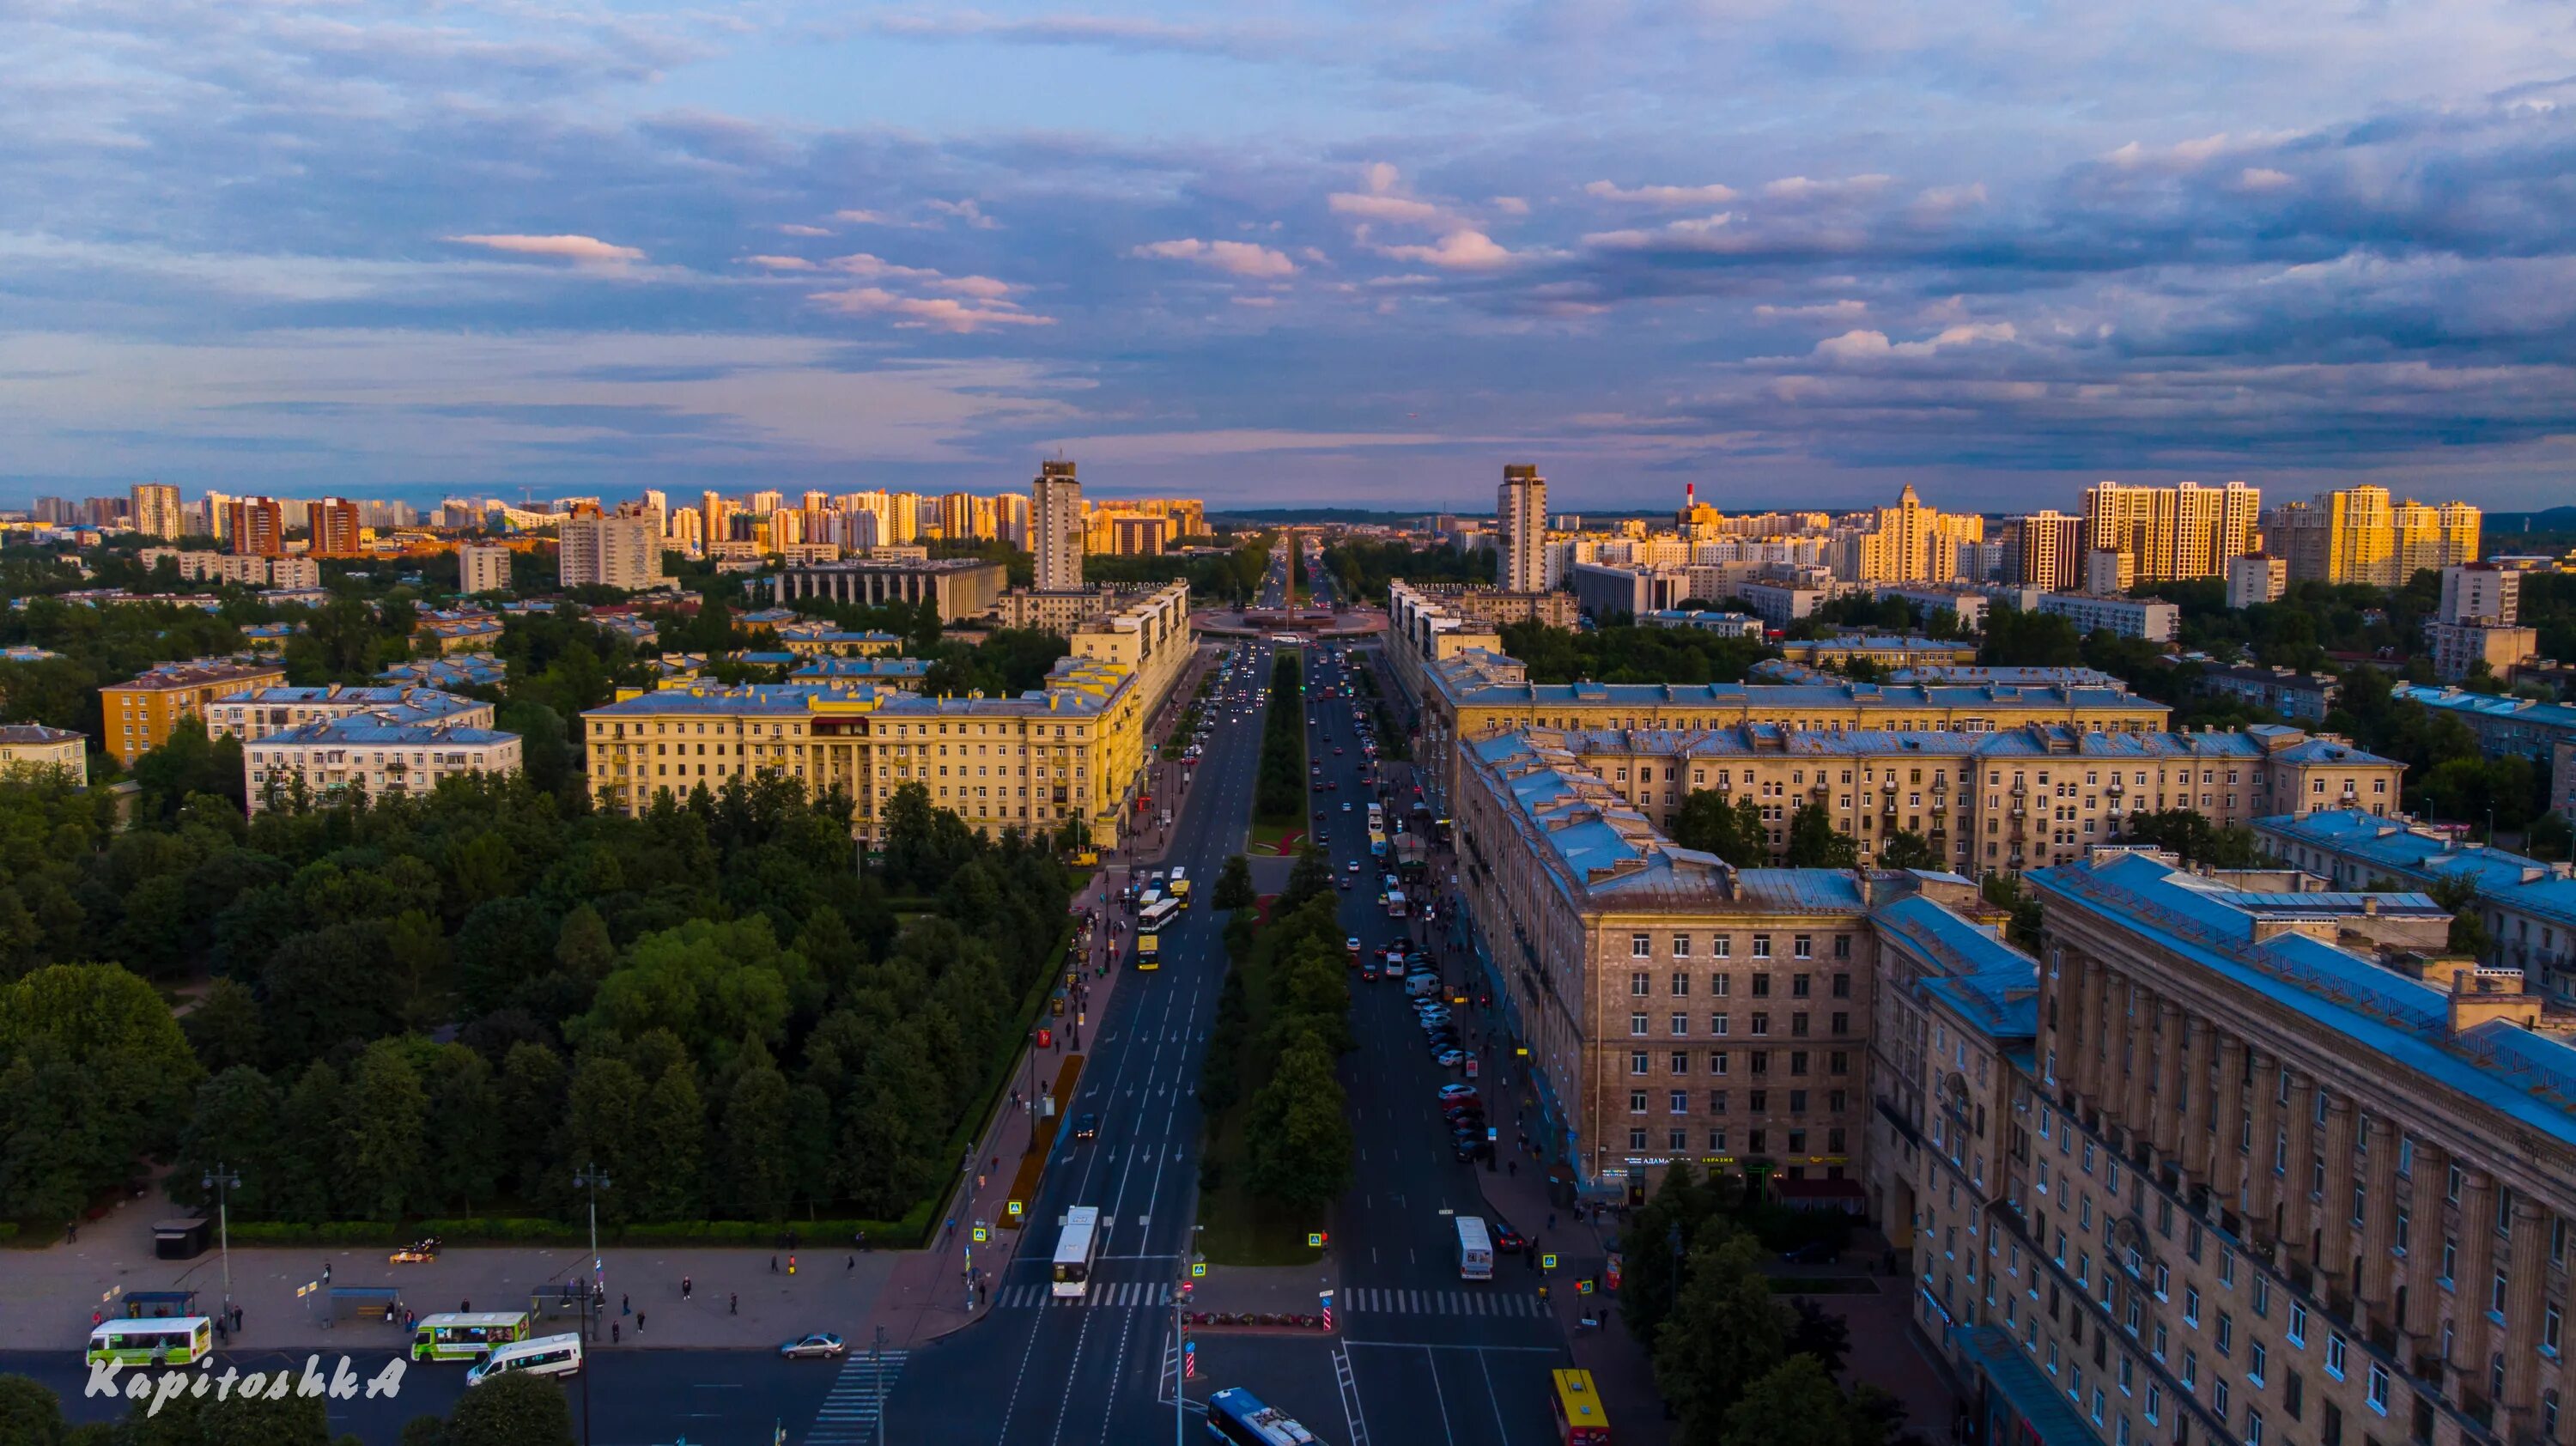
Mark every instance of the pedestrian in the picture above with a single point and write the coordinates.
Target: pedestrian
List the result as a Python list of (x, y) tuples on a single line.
[(612, 1333), (465, 1307), (71, 1232), (685, 1287), (639, 1323), (97, 1318), (773, 1265), (625, 1306), (326, 1272), (733, 1304), (236, 1320), (1512, 1168), (1551, 1220), (853, 1265)]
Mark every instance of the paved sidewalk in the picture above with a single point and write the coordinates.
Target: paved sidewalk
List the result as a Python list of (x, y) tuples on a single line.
[(46, 1296)]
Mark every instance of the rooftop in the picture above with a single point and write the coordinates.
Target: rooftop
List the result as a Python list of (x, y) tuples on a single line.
[(2403, 851), (2036, 740), (2488, 705), (2381, 1013), (1480, 677), (198, 675), (35, 733), (363, 730)]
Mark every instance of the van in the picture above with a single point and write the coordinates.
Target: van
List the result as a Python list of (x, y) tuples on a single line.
[(1422, 986), (544, 1356)]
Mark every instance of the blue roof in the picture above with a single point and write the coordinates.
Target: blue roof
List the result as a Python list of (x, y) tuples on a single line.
[(2406, 1021), (2052, 1418), (2488, 705), (1987, 982), (862, 668), (2507, 880), (450, 672), (2037, 740), (369, 733)]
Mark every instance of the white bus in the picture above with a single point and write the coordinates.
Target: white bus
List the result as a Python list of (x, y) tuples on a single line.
[(1075, 1249), (1235, 1414), (1475, 1249), (1157, 915), (152, 1340), (544, 1356)]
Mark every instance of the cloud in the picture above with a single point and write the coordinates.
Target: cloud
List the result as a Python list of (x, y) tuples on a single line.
[(1457, 251), (1234, 258), (1386, 208), (779, 263), (1708, 195), (793, 229), (1805, 188), (1697, 230), (2262, 178), (1847, 309), (1508, 205), (1870, 345), (965, 211), (936, 312), (587, 249)]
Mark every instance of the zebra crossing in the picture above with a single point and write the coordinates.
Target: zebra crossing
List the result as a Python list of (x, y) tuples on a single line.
[(1103, 1294), (849, 1414), (1381, 1300)]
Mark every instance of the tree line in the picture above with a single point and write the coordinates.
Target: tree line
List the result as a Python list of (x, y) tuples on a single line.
[(1283, 1019), (1279, 789), (443, 1004), (1625, 653)]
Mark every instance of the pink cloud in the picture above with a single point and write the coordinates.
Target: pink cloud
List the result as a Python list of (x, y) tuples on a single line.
[(1708, 195), (588, 249), (779, 263), (1234, 258), (1457, 251), (937, 312)]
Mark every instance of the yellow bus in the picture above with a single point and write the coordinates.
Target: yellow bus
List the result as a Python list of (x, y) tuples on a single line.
[(460, 1336), (1149, 954), (152, 1341), (1179, 886), (1580, 1421)]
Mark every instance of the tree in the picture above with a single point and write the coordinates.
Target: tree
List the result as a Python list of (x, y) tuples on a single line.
[(1732, 829), (386, 1125), (1819, 1333), (93, 1074), (1796, 1403), (1302, 1146), (2016, 639), (602, 1128), (1312, 878), (1233, 885), (1906, 849), (1814, 842), (189, 1419), (755, 1139), (1726, 1331), (29, 1414), (675, 1128), (2459, 894), (516, 1409)]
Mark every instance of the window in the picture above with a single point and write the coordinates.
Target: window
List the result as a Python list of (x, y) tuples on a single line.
[(1639, 1063), (1636, 1102), (1680, 1025), (2379, 1388), (2334, 1355), (1636, 1024), (1761, 950), (1681, 950), (2191, 1306), (1678, 1102), (1681, 1061), (1640, 946), (2257, 1358), (2298, 1324), (2226, 1334), (2253, 1427), (1681, 979)]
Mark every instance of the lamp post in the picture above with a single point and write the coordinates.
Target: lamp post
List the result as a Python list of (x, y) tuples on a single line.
[(590, 1179), (223, 1182), (1181, 1344)]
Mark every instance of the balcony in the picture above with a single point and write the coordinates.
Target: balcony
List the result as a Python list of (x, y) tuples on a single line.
[(2113, 788)]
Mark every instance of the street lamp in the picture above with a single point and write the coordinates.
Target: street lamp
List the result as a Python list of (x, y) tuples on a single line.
[(223, 1182), (1181, 1344), (589, 1178)]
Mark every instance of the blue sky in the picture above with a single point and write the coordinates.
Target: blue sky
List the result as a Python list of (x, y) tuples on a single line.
[(1795, 251)]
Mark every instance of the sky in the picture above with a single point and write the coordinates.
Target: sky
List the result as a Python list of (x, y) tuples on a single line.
[(1797, 252)]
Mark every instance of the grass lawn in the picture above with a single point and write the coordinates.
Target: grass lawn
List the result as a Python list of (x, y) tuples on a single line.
[(1274, 838)]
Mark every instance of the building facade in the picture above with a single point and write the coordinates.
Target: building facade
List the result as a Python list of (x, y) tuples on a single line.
[(256, 526), (2256, 579), (959, 587), (623, 551), (1056, 517), (2170, 533), (1520, 520), (261, 712), (140, 714), (482, 568), (2049, 552), (156, 511), (32, 748), (331, 528), (2157, 622), (2359, 535), (379, 757)]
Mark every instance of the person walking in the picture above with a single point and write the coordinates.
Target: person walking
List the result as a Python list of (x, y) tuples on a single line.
[(625, 1306), (639, 1324), (733, 1304), (612, 1333), (685, 1286)]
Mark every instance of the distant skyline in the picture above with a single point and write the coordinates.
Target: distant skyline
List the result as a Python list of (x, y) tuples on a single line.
[(1316, 253)]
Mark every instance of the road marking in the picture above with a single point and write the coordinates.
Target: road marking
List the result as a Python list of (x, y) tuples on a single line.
[(849, 1413)]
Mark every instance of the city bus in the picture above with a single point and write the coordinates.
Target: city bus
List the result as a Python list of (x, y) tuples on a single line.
[(462, 1336), (152, 1341), (1157, 915), (1149, 952), (1075, 1249), (1475, 1249), (1148, 899), (1395, 903), (1580, 1421), (1377, 844), (1235, 1414), (1180, 887)]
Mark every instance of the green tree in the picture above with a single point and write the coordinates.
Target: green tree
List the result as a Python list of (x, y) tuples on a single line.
[(1710, 822), (94, 1073), (386, 1128), (233, 1123), (1233, 885), (1906, 849), (1814, 842), (675, 1130), (1796, 1403), (516, 1409), (30, 1415), (603, 1127), (193, 1420), (755, 1143), (1311, 878), (2016, 639), (224, 1029), (1302, 1147), (1726, 1331)]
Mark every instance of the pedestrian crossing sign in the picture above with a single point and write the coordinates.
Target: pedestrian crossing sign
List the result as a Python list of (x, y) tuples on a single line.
[(1314, 1240), (1015, 1209), (1583, 1287), (982, 1234), (1547, 1261), (1198, 1270)]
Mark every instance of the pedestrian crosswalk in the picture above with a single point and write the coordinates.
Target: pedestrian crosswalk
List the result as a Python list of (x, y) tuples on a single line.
[(1102, 1294), (849, 1414), (1380, 1300)]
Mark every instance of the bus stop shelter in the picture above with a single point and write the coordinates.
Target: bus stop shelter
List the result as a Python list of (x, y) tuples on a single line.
[(159, 1304), (364, 1302)]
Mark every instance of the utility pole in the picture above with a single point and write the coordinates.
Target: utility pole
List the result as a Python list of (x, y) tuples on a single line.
[(1180, 1343), (589, 1178), (223, 1182), (876, 1372)]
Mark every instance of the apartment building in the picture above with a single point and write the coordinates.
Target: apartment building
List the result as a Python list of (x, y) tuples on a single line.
[(1781, 604), (2506, 727), (2286, 691), (1910, 543), (2480, 592), (1967, 605), (1055, 612), (156, 512), (2359, 535), (960, 587), (2527, 905), (2256, 579), (1520, 519), (256, 526), (1672, 1006), (620, 551), (331, 528), (459, 631), (1885, 650), (2045, 550), (245, 569), (2165, 533), (1056, 518), (2157, 622), (140, 714), (482, 568), (378, 755), (27, 748), (1073, 749), (2048, 793), (260, 712), (823, 640), (2269, 1168), (1700, 620)]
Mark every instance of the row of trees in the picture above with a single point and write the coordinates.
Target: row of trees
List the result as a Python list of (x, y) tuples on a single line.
[(1361, 569), (510, 1410), (1282, 1019), (1737, 1365), (1623, 653), (709, 1001), (1732, 827), (1279, 789)]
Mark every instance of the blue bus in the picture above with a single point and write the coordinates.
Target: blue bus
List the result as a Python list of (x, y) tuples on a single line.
[(1235, 1414)]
